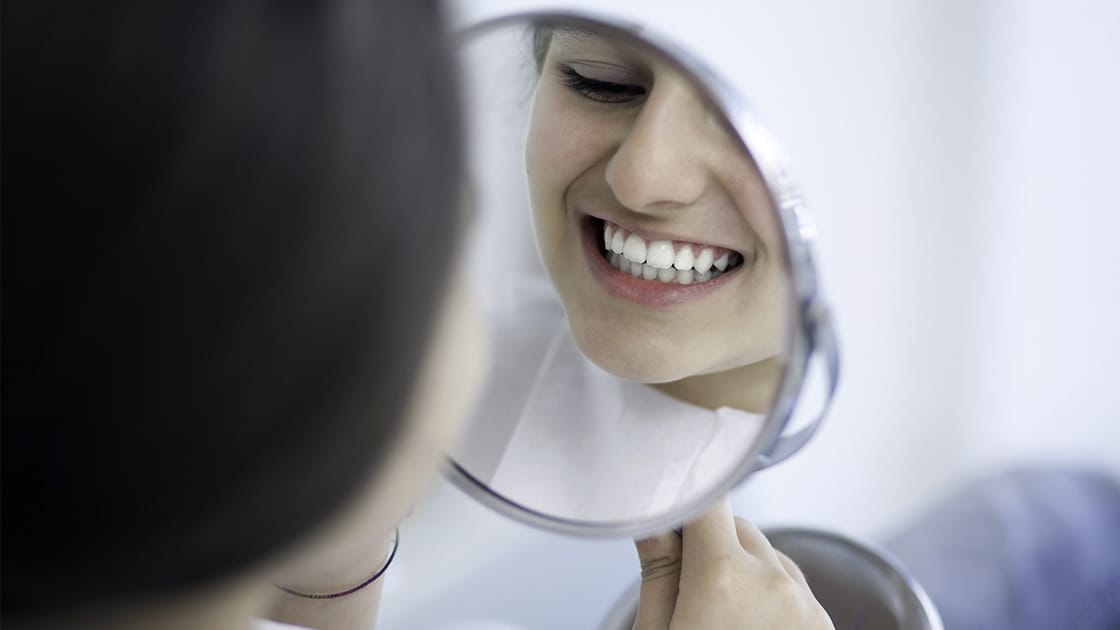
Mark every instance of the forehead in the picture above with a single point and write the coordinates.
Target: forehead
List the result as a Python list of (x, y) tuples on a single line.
[(624, 47)]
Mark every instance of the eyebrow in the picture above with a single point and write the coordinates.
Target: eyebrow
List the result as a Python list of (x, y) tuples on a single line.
[(582, 33)]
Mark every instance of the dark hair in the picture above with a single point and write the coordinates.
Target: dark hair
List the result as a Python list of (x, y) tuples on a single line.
[(542, 41), (226, 229)]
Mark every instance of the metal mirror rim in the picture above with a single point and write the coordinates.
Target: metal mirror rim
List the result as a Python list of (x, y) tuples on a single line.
[(812, 328), (885, 562)]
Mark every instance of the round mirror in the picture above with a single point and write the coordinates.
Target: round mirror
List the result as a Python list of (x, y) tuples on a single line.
[(644, 260)]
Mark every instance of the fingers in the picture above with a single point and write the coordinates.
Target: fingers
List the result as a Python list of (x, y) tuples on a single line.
[(754, 541), (756, 544), (712, 534), (792, 569), (722, 573), (660, 557)]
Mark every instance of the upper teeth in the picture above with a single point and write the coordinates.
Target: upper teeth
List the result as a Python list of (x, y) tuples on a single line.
[(659, 259)]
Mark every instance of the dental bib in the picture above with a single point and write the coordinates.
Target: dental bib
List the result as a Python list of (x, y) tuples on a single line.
[(565, 437)]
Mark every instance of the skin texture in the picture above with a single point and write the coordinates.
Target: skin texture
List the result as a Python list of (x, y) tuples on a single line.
[(662, 164)]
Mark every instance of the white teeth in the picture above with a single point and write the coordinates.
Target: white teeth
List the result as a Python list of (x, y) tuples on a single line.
[(704, 260), (721, 262), (668, 276), (617, 241), (684, 259), (657, 260), (635, 249), (660, 254)]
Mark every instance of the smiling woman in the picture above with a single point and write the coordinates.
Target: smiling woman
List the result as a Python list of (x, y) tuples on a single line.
[(639, 368), (654, 224)]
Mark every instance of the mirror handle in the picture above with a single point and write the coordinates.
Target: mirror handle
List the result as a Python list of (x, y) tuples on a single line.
[(822, 340)]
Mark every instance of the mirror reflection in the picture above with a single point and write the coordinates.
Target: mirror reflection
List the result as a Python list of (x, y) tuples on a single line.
[(636, 271)]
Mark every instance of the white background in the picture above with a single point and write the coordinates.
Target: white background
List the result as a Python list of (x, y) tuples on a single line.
[(962, 161)]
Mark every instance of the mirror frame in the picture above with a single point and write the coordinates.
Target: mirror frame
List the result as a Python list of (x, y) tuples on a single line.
[(811, 334)]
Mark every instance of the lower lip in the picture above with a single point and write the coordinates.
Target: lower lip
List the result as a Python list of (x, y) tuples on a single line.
[(637, 289)]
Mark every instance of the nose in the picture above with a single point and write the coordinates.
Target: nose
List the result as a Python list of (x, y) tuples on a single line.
[(660, 163)]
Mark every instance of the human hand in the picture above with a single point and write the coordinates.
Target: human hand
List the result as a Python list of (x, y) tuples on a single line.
[(722, 573)]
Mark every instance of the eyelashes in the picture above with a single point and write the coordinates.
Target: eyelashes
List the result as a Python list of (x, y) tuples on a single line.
[(600, 91)]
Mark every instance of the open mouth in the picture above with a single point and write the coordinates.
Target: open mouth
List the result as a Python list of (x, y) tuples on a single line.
[(664, 261)]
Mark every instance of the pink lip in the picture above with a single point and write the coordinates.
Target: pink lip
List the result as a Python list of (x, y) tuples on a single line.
[(637, 290)]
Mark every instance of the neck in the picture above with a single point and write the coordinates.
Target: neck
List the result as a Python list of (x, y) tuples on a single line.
[(749, 388)]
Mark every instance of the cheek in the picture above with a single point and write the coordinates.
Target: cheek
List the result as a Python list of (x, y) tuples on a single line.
[(565, 140), (566, 147), (449, 384), (773, 312), (765, 301), (749, 194), (453, 376), (551, 160)]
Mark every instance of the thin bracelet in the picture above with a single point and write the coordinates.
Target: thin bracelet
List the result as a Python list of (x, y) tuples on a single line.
[(355, 589)]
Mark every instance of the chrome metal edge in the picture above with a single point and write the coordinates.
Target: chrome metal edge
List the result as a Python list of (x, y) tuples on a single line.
[(877, 555)]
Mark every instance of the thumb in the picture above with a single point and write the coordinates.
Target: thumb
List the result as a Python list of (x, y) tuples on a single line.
[(660, 557)]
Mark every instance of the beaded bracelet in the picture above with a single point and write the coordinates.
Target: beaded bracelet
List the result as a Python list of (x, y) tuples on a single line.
[(355, 589)]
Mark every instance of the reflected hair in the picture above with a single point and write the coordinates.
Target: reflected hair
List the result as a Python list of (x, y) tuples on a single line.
[(210, 331), (542, 40)]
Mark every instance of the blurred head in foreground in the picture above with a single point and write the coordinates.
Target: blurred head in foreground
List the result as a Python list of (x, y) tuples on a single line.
[(214, 341)]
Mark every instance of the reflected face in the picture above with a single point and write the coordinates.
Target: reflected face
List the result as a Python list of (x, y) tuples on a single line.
[(652, 220)]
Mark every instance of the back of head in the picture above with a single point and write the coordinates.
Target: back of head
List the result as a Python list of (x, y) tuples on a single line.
[(226, 227)]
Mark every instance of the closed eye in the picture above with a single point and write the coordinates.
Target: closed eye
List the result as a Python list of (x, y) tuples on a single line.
[(600, 91)]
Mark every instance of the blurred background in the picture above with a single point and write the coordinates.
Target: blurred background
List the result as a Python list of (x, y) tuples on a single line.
[(961, 161)]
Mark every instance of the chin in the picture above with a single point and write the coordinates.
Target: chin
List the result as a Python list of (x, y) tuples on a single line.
[(632, 360), (631, 370)]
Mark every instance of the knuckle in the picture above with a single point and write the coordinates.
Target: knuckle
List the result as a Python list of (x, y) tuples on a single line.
[(780, 587), (721, 582), (659, 566), (743, 523)]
